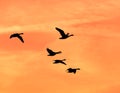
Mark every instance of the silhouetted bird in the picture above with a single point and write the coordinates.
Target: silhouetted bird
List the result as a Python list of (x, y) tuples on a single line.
[(60, 61), (52, 53), (64, 36), (72, 70), (18, 36)]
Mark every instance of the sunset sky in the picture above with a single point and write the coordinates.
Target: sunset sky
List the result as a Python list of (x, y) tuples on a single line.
[(94, 48)]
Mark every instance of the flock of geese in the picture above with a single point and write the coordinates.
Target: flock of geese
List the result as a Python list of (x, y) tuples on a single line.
[(51, 52)]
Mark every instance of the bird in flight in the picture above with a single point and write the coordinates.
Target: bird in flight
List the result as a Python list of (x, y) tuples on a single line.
[(62, 33), (18, 35), (60, 61), (52, 53), (72, 70)]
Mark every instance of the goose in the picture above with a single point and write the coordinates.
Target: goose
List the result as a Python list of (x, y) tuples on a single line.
[(18, 35), (72, 70), (62, 33), (60, 61), (52, 53)]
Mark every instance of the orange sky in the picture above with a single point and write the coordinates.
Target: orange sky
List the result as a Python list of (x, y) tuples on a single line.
[(95, 48)]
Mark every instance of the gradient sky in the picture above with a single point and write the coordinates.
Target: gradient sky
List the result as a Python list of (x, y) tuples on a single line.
[(95, 48)]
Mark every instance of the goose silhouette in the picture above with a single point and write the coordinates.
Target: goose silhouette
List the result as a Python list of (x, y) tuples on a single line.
[(18, 36), (72, 70), (52, 53), (60, 61), (62, 33)]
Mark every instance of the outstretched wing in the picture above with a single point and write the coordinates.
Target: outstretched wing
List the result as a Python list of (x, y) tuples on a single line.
[(64, 63), (20, 38), (60, 31), (74, 71), (49, 51)]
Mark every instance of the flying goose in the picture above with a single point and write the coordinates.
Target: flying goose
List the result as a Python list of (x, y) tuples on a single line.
[(60, 61), (72, 70), (52, 53), (18, 35), (62, 33)]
